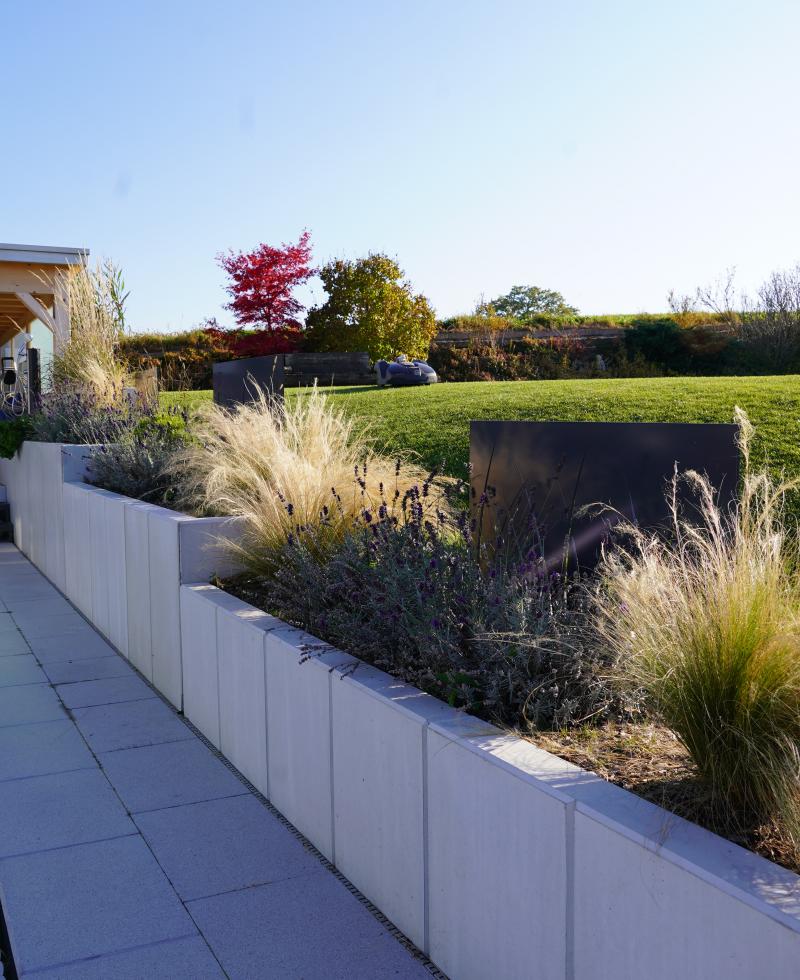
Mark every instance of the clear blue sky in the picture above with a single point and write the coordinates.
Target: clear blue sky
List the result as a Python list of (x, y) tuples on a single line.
[(607, 149)]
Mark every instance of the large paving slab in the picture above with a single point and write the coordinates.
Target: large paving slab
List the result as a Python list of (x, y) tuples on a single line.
[(168, 774), (223, 845), (107, 690), (174, 959), (7, 623), (45, 747), (43, 812), (69, 671), (127, 725), (130, 849), (12, 644), (32, 610), (24, 669), (98, 897), (272, 931), (29, 704), (80, 644), (47, 625), (18, 593)]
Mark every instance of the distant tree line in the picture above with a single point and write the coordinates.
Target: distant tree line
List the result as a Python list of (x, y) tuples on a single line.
[(371, 306)]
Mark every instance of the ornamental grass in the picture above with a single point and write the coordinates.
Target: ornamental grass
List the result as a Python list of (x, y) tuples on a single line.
[(89, 361), (286, 468), (707, 626)]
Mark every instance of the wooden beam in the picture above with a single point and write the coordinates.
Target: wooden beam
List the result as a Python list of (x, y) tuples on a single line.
[(26, 278), (39, 311)]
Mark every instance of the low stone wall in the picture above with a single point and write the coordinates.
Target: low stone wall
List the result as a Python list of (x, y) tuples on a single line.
[(494, 857)]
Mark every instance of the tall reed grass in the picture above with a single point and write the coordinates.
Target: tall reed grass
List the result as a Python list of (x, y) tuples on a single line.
[(89, 360), (286, 469), (707, 625)]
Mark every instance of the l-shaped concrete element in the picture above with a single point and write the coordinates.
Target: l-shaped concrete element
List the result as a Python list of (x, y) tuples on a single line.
[(121, 561), (494, 857)]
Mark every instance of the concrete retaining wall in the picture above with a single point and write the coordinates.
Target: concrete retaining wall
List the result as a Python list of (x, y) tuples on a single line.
[(34, 480), (496, 858), (120, 561)]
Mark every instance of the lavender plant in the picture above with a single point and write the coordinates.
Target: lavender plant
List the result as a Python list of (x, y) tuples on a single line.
[(76, 414), (138, 464), (407, 590)]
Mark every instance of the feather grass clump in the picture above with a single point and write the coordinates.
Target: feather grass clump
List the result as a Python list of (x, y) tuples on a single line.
[(286, 468), (707, 626)]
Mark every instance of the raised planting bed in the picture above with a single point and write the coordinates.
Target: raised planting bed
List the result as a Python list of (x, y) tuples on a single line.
[(494, 856)]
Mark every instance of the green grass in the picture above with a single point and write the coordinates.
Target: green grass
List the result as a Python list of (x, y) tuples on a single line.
[(434, 422), (184, 399)]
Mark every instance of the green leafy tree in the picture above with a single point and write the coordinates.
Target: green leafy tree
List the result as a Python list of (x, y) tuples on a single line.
[(525, 303), (370, 307)]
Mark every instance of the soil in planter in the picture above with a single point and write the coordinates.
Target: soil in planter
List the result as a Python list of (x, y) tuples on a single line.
[(641, 757), (651, 762)]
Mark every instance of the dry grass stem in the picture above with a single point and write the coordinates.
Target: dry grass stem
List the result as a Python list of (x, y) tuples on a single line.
[(89, 359)]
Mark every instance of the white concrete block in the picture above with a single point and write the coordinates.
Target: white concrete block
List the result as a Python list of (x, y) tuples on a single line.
[(676, 899), (202, 551), (137, 586), (72, 466), (241, 632), (15, 483), (95, 566), (640, 912), (44, 510), (27, 512), (299, 732), (165, 610), (51, 545), (114, 506), (378, 726), (75, 462), (26, 501), (70, 502), (100, 559), (199, 604), (497, 861), (39, 520), (77, 547), (34, 483), (13, 476)]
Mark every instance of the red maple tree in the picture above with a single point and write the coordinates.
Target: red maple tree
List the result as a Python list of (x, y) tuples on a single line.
[(262, 282)]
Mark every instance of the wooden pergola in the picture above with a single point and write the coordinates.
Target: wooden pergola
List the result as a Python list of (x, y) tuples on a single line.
[(33, 287)]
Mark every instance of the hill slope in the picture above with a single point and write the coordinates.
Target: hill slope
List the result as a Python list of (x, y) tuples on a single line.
[(434, 422)]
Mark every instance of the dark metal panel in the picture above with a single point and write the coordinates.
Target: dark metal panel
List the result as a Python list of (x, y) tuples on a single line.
[(236, 382), (536, 477)]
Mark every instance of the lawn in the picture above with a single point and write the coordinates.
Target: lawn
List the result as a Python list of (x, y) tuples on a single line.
[(434, 422)]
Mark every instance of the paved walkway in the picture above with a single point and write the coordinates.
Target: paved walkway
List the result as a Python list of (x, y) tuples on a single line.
[(127, 848)]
